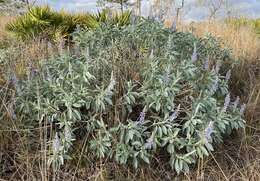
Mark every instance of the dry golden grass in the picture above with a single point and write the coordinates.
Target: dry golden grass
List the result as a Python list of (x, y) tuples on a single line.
[(3, 21), (4, 36), (242, 40)]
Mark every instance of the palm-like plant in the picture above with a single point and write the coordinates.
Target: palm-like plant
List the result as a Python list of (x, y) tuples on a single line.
[(35, 23), (122, 19), (43, 22)]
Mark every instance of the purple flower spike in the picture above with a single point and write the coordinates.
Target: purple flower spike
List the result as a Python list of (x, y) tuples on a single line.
[(141, 117), (194, 56), (228, 75), (226, 103), (149, 143), (208, 131), (166, 78), (206, 64), (175, 113)]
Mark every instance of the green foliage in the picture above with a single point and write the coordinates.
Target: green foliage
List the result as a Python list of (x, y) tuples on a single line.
[(45, 23), (137, 92)]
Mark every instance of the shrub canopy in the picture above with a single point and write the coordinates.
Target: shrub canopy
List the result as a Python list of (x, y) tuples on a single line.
[(138, 92)]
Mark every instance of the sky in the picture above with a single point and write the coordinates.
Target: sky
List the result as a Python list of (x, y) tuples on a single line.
[(191, 12)]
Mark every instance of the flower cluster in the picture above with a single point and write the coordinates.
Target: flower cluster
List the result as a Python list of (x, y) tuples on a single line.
[(226, 103), (175, 114), (208, 131)]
